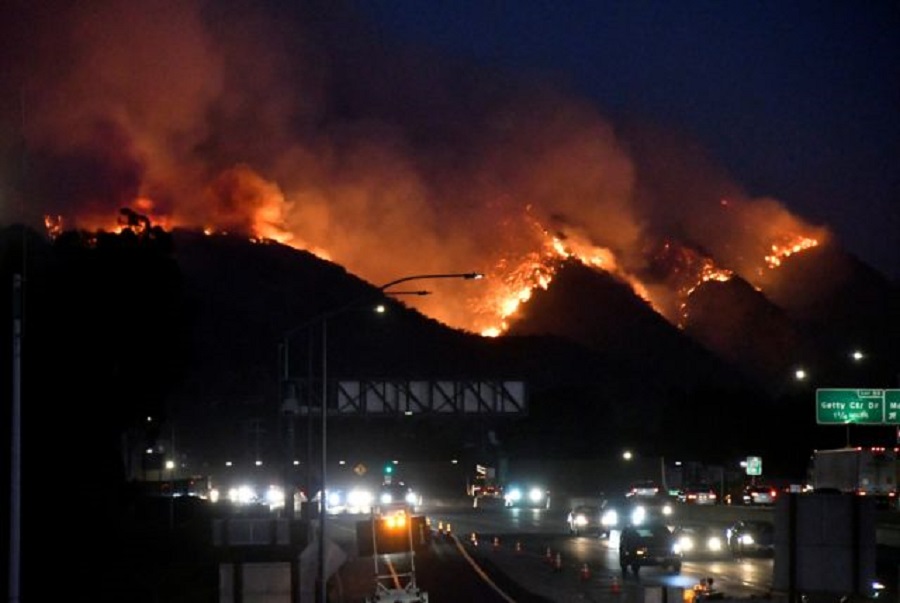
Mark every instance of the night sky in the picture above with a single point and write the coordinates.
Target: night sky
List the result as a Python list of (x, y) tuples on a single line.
[(799, 101), (362, 129)]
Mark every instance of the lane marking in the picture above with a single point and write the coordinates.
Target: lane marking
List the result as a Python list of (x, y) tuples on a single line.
[(480, 571)]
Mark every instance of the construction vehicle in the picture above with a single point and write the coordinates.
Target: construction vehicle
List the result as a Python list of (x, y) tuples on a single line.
[(484, 487), (868, 472)]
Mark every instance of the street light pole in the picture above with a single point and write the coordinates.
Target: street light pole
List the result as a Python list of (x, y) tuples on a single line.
[(322, 320)]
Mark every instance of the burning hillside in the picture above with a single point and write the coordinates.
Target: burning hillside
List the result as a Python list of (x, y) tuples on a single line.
[(388, 164)]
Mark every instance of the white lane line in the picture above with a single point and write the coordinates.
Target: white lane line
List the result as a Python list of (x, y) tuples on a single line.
[(480, 571)]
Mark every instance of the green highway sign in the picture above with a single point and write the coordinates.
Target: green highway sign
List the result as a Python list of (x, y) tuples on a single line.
[(858, 406), (892, 405), (754, 465)]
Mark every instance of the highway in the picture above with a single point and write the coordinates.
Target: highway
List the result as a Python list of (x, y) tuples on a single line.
[(527, 555)]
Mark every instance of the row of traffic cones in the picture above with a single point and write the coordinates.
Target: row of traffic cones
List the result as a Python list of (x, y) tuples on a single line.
[(553, 560)]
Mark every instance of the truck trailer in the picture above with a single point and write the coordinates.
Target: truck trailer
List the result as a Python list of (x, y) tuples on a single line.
[(857, 470)]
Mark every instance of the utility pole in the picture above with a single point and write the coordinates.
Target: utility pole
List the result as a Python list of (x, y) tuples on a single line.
[(15, 470)]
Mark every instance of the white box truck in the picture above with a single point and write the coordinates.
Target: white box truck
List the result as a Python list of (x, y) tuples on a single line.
[(862, 471)]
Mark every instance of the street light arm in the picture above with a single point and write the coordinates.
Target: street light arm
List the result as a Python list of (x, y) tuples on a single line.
[(462, 275), (383, 289)]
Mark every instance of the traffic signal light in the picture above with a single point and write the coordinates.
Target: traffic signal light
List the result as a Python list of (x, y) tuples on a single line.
[(388, 469)]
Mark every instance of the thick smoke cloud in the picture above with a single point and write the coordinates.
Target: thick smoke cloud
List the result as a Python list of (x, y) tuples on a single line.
[(300, 124)]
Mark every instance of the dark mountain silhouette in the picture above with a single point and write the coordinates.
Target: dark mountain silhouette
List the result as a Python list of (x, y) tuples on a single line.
[(187, 328)]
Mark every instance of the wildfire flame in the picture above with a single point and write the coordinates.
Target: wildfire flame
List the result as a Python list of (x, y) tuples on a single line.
[(512, 281), (780, 252)]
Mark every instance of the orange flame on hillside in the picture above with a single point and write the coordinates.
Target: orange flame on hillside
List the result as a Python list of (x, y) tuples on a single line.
[(780, 252), (511, 282)]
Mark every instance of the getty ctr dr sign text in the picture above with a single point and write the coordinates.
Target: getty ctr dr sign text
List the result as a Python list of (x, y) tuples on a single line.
[(859, 406)]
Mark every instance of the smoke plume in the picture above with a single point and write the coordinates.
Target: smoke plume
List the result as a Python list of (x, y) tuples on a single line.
[(306, 126)]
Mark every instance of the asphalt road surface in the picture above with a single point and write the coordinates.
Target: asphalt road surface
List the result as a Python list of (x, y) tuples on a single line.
[(528, 555)]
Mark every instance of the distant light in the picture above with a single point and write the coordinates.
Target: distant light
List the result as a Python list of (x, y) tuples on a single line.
[(454, 461), (857, 355), (258, 463), (396, 462), (228, 463), (296, 463), (342, 462), (380, 309), (170, 465), (149, 451), (408, 413), (149, 419), (800, 374), (627, 455)]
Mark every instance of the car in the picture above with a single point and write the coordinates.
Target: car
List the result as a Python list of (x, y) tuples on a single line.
[(643, 488), (702, 494), (652, 544), (759, 495), (701, 542), (349, 500), (750, 537), (618, 513), (397, 496), (585, 519), (532, 497)]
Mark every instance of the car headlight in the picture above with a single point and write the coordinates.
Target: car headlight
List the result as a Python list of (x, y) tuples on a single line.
[(685, 543), (610, 518), (746, 539), (514, 495), (386, 498), (535, 494), (359, 498), (275, 496), (242, 495), (581, 520), (412, 498), (667, 509), (638, 515), (677, 548), (714, 543), (334, 499)]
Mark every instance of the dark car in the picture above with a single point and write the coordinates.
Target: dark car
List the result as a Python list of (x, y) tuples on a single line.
[(585, 519), (652, 544), (750, 537), (701, 494)]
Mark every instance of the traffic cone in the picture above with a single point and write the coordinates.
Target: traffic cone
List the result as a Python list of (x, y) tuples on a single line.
[(496, 542), (518, 546), (548, 556), (441, 527), (557, 563), (585, 572), (615, 588), (474, 539), (447, 530)]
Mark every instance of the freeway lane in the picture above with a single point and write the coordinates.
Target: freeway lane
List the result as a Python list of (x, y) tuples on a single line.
[(533, 533), (517, 559)]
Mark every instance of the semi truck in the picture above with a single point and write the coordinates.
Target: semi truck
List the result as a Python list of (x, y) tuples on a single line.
[(857, 470)]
